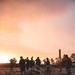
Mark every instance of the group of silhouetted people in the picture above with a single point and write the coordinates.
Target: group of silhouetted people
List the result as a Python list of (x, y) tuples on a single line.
[(25, 64)]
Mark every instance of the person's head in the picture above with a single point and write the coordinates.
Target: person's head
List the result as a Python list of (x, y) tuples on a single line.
[(21, 57), (66, 56), (32, 58), (27, 57), (37, 57), (47, 59)]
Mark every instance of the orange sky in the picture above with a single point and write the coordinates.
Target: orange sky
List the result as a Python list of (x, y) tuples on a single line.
[(37, 28)]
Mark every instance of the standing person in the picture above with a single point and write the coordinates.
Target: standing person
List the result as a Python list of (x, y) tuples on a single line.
[(11, 65), (47, 63), (68, 64), (32, 62), (38, 61), (27, 63), (22, 64)]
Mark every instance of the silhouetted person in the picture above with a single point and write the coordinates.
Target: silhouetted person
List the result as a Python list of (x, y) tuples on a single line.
[(22, 64), (32, 62), (27, 63), (47, 63), (11, 65), (68, 64), (38, 61)]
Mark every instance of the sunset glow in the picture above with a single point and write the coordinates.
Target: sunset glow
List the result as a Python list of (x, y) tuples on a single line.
[(4, 57), (36, 28)]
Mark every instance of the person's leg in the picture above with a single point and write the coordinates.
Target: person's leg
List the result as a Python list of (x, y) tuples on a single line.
[(21, 70), (68, 71), (48, 70)]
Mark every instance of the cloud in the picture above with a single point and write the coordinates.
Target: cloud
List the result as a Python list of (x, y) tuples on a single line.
[(32, 10), (37, 26)]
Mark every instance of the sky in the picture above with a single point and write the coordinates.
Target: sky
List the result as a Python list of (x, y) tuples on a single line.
[(36, 28)]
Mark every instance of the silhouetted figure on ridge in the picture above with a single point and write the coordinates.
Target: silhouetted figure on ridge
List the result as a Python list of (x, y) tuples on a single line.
[(48, 65), (27, 63), (68, 64), (32, 62), (22, 64), (11, 65), (38, 61)]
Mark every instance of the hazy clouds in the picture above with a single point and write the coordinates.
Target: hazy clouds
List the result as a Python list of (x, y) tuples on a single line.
[(39, 25)]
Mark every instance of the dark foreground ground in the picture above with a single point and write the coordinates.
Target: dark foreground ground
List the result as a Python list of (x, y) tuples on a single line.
[(55, 70)]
